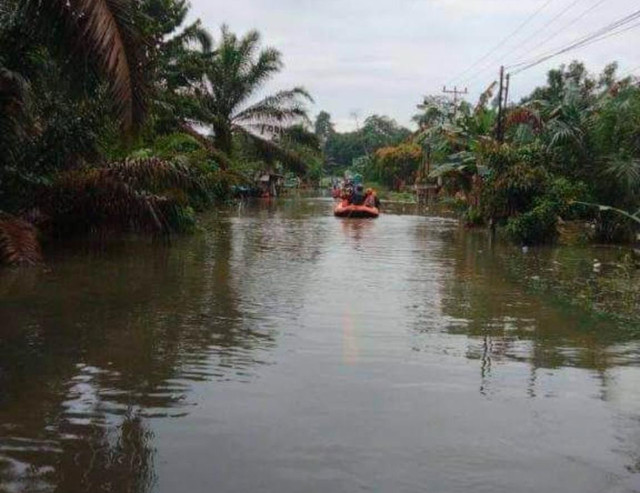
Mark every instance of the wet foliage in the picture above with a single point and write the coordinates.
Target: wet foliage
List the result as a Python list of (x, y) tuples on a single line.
[(112, 118), (133, 195), (571, 141)]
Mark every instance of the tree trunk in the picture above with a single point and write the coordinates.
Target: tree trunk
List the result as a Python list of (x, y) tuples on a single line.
[(223, 138)]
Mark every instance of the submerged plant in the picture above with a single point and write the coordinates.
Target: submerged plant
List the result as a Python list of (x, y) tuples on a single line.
[(135, 195)]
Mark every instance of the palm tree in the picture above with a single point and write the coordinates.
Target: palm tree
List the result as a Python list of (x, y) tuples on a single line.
[(98, 34), (81, 35), (232, 77)]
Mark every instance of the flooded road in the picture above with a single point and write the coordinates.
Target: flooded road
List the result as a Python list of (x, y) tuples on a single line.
[(283, 350)]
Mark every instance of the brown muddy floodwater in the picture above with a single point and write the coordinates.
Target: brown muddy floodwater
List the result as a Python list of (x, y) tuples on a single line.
[(283, 350)]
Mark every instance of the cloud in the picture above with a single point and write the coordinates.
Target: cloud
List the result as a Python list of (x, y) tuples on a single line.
[(382, 56)]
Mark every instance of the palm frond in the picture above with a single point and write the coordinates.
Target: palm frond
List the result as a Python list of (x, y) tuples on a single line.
[(562, 132), (272, 151), (625, 172), (268, 64), (223, 161), (486, 96), (246, 48), (193, 33), (14, 88), (278, 110), (100, 31), (153, 175), (236, 55), (14, 100), (237, 69), (135, 195)]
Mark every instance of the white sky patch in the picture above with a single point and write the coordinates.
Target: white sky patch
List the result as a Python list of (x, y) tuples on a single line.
[(382, 56)]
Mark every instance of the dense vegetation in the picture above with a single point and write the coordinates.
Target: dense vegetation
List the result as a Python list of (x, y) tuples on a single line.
[(570, 150), (576, 139), (115, 116), (356, 149)]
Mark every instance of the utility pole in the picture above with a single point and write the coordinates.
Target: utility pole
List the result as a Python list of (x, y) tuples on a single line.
[(455, 93), (506, 92), (500, 94)]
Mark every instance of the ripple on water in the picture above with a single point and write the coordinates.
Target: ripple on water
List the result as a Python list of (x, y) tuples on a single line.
[(283, 350)]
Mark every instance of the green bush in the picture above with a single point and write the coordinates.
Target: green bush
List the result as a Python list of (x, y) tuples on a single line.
[(516, 180), (537, 226), (176, 143), (473, 217), (540, 224)]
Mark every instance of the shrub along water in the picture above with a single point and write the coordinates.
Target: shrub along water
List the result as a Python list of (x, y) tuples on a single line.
[(575, 139), (112, 118)]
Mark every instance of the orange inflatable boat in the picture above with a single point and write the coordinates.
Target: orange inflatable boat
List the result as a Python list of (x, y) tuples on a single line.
[(344, 209)]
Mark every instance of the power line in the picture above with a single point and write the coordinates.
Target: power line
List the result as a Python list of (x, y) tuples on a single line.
[(502, 42), (599, 35), (539, 31), (522, 43), (565, 26), (596, 35), (581, 45)]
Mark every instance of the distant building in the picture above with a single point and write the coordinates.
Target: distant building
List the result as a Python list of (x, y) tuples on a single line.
[(270, 184)]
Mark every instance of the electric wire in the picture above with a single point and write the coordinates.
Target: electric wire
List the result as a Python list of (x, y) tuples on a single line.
[(583, 40), (502, 42), (603, 33), (543, 28), (522, 43), (582, 45), (563, 28)]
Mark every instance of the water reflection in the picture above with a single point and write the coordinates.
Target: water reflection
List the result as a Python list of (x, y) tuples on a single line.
[(357, 230), (93, 348), (509, 323), (118, 458), (282, 349)]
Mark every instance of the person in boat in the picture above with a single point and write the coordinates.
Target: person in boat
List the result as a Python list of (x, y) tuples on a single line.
[(371, 198), (358, 196), (336, 190), (376, 200), (347, 191)]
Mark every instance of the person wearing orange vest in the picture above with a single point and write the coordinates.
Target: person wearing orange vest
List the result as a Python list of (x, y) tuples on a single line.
[(371, 199)]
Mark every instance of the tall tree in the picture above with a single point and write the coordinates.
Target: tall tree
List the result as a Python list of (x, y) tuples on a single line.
[(180, 54), (324, 127), (236, 73), (380, 131), (96, 33)]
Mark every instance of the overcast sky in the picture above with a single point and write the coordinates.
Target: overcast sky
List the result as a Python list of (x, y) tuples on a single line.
[(382, 56)]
